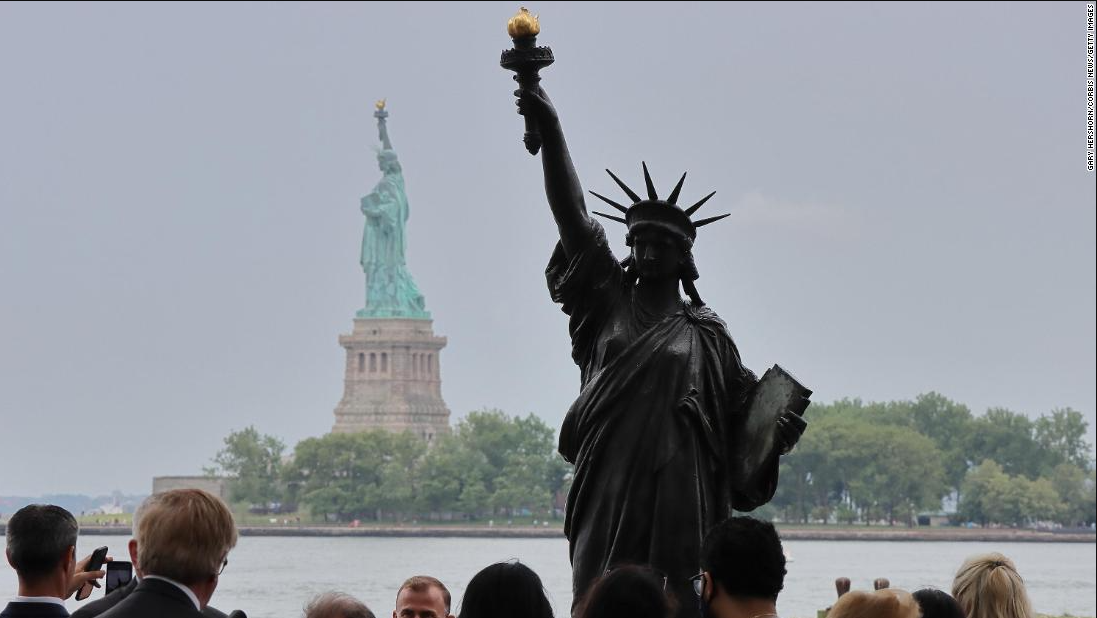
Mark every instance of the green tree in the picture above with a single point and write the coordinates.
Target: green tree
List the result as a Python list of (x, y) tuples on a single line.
[(848, 462), (513, 459), (816, 475), (992, 496), (330, 471), (490, 461), (1041, 501), (1017, 500), (441, 478), (978, 492), (901, 472), (357, 475), (451, 478), (1075, 489), (474, 497), (1007, 438), (396, 488), (867, 461), (254, 462), (522, 485), (795, 491), (1063, 433), (949, 425), (860, 412)]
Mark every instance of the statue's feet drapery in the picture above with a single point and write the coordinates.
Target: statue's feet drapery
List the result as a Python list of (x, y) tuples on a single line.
[(392, 293)]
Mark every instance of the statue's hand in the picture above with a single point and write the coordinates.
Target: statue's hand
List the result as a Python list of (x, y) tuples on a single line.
[(790, 426), (535, 102)]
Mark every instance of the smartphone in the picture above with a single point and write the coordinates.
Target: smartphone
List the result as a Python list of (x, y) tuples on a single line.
[(119, 573), (98, 557)]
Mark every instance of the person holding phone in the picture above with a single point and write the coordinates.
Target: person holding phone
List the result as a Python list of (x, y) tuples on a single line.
[(95, 563), (41, 547), (122, 579)]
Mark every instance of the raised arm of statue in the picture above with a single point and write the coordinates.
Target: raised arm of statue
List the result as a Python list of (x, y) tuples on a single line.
[(565, 194), (382, 126), (383, 133)]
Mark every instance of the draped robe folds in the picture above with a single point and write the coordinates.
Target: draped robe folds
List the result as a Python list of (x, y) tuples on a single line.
[(654, 430), (390, 289), (386, 209)]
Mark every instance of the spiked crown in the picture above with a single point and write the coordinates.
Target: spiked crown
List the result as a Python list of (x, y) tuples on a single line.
[(655, 212)]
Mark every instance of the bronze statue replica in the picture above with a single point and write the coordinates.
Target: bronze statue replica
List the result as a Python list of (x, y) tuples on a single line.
[(670, 431)]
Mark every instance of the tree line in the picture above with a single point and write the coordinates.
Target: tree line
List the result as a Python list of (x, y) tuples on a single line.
[(857, 463), (490, 464), (887, 462)]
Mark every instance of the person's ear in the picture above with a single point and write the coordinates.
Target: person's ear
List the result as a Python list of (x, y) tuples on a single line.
[(68, 562), (132, 546), (7, 554), (709, 589)]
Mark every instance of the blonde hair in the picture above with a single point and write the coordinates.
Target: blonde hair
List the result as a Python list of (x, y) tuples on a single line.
[(988, 586), (886, 603), (183, 534)]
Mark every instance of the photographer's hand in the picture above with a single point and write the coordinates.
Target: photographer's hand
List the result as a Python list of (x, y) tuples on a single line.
[(82, 578)]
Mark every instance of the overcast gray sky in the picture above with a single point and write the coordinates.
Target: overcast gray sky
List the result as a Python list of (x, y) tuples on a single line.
[(179, 223)]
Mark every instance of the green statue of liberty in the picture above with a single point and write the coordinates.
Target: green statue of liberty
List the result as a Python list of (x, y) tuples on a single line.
[(390, 290)]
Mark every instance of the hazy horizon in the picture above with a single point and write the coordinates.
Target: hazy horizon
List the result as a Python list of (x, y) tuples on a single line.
[(179, 222)]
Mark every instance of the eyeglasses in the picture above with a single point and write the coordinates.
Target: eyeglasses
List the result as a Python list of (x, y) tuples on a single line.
[(224, 563), (698, 582)]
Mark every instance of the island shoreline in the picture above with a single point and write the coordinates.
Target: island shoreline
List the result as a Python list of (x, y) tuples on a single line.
[(948, 535)]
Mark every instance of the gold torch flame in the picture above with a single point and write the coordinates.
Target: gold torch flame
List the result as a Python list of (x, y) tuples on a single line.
[(523, 24), (380, 105)]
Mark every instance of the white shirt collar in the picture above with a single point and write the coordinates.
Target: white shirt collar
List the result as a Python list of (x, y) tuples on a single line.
[(55, 600), (190, 593)]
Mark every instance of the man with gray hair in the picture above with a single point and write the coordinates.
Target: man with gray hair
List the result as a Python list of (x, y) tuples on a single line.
[(337, 605), (41, 547), (182, 539), (99, 606)]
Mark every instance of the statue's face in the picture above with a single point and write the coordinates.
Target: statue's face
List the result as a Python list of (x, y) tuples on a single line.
[(657, 254)]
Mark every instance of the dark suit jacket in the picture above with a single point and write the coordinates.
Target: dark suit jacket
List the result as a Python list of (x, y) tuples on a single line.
[(93, 609), (154, 598), (98, 606), (34, 610)]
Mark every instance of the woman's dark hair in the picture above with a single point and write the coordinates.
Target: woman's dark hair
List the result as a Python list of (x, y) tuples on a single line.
[(505, 589), (938, 604), (627, 592)]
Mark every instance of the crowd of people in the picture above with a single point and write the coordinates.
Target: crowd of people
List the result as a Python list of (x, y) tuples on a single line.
[(182, 539)]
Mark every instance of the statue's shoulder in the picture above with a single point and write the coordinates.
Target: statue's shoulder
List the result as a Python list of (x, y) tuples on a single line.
[(702, 313), (704, 316)]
